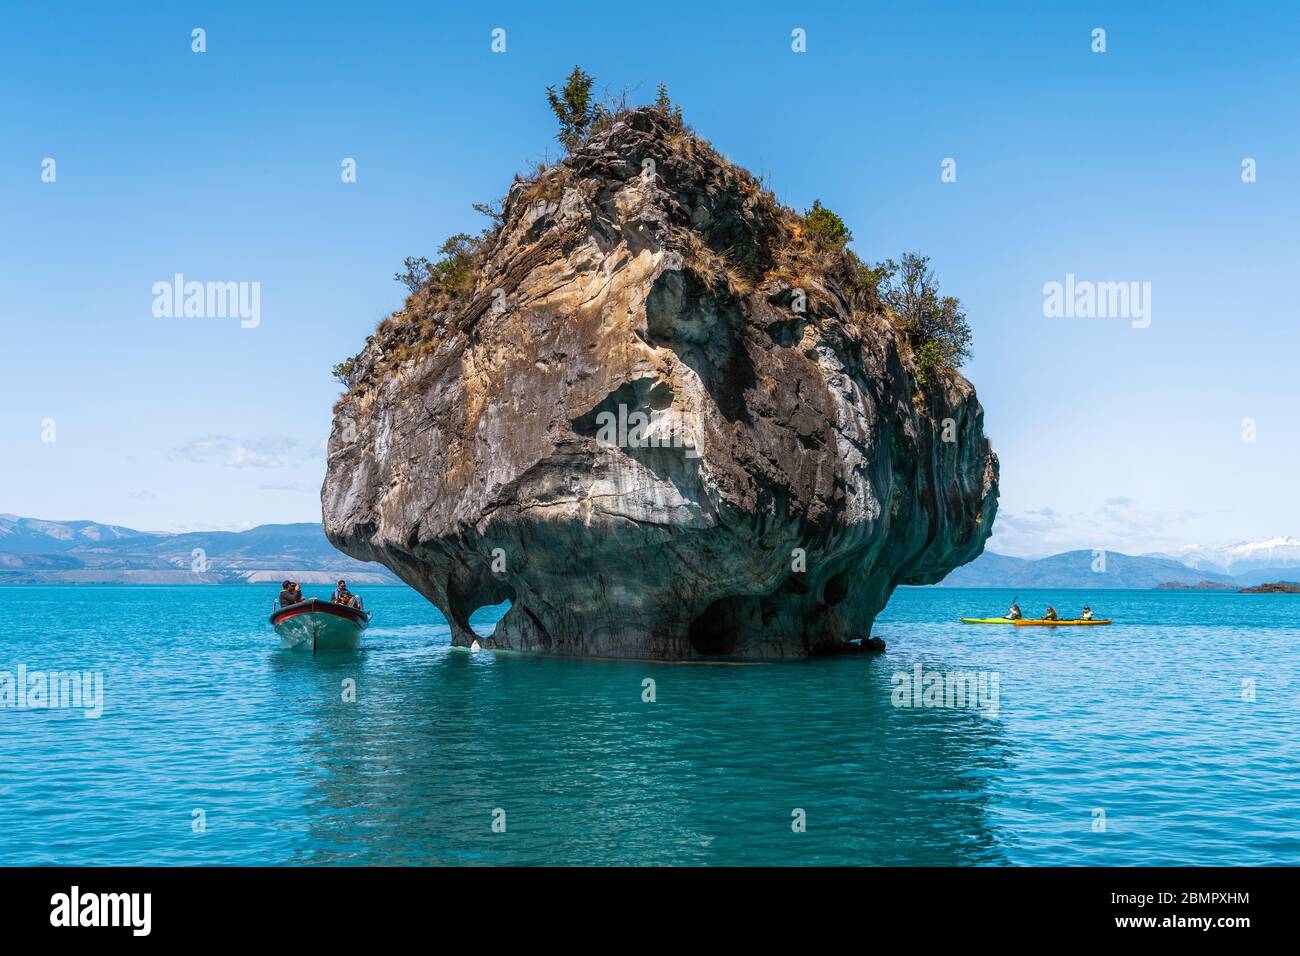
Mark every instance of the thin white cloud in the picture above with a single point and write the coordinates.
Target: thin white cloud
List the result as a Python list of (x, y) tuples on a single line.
[(237, 452), (1120, 524), (295, 486)]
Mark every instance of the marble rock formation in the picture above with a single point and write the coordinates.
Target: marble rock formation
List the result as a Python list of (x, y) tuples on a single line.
[(659, 420)]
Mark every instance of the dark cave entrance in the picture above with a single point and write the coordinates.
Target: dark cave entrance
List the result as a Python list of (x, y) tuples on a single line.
[(836, 589), (716, 631)]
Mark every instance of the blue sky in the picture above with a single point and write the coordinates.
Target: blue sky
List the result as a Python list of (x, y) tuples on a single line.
[(224, 166)]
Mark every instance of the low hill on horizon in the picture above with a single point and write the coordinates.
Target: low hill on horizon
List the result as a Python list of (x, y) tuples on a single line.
[(1075, 569), (35, 551)]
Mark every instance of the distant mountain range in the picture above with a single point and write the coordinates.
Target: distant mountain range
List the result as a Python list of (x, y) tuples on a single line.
[(1075, 569), (33, 551), (1240, 558)]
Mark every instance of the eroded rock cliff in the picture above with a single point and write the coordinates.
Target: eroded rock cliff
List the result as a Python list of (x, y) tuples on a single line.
[(659, 420)]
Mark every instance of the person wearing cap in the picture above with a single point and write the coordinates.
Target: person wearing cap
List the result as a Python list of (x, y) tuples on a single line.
[(343, 596)]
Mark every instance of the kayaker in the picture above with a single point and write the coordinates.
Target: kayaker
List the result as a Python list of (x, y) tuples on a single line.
[(1051, 615), (1014, 613), (1087, 614)]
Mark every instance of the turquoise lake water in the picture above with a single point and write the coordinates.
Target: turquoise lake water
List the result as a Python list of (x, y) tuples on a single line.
[(1132, 744)]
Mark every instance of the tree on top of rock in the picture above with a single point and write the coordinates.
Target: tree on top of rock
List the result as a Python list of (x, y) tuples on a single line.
[(935, 324), (573, 107)]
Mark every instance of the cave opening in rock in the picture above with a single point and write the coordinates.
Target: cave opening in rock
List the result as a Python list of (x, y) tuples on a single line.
[(836, 589), (716, 630), (483, 620)]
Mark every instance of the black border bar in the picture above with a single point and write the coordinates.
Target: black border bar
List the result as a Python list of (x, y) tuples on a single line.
[(331, 905)]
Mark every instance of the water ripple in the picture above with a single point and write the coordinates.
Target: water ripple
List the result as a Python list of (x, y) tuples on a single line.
[(1134, 744)]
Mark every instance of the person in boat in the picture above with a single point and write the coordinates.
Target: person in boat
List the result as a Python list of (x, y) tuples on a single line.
[(1051, 615), (345, 597), (1013, 614), (287, 594), (1087, 614)]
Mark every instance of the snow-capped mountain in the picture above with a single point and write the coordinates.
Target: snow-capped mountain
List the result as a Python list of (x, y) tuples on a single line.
[(1195, 556), (1280, 552)]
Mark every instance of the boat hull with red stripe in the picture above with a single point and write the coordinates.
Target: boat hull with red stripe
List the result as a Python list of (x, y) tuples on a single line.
[(318, 625)]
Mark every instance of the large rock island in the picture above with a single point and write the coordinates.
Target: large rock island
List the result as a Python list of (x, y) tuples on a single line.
[(660, 415)]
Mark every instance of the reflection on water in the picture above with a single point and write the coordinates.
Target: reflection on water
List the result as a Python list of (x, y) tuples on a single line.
[(587, 772)]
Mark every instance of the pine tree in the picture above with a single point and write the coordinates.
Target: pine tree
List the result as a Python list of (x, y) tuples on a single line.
[(662, 103), (573, 107)]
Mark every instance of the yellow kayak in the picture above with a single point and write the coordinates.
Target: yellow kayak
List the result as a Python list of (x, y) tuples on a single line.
[(1039, 622)]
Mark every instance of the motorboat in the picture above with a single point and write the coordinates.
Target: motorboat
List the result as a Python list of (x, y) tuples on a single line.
[(319, 625)]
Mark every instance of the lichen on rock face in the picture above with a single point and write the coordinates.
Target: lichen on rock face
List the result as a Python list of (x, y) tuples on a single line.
[(655, 426)]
